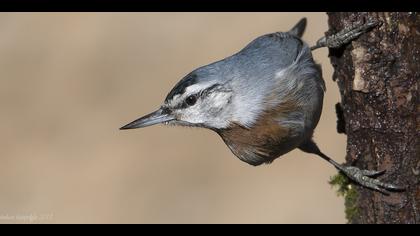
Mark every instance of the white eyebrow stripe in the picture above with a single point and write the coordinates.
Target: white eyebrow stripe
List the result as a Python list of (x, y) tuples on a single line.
[(195, 88), (190, 90), (174, 101)]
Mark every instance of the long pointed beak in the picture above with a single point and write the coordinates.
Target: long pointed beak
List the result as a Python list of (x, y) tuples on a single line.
[(157, 117)]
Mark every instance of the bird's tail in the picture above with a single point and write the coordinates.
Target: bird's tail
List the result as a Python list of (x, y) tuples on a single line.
[(299, 28)]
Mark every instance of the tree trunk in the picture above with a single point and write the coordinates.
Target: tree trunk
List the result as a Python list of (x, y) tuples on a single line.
[(378, 77)]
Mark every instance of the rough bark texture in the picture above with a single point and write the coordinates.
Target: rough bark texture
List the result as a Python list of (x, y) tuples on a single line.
[(378, 76)]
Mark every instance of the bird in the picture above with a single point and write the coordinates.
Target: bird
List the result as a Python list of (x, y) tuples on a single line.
[(263, 101)]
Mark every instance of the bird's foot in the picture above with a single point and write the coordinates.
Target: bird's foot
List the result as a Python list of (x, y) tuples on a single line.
[(365, 178), (344, 36)]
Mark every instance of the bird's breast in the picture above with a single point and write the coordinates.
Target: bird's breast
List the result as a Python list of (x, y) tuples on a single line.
[(266, 140)]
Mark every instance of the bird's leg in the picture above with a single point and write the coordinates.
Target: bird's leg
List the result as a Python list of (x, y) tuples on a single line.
[(344, 36), (362, 177)]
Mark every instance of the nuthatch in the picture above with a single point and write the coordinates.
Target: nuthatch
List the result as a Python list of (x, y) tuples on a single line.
[(264, 101)]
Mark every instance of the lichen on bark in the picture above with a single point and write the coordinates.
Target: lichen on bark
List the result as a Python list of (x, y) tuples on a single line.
[(346, 189)]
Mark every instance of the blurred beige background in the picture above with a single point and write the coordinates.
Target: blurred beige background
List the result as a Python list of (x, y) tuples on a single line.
[(68, 81)]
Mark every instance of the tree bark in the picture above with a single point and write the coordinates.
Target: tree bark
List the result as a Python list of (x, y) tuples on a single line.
[(378, 77)]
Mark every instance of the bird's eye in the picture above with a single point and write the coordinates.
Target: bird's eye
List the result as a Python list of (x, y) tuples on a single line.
[(191, 100)]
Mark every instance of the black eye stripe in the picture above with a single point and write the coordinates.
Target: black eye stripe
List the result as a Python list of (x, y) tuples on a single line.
[(208, 90), (185, 103)]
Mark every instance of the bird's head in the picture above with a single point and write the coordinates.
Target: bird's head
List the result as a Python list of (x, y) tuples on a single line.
[(200, 99)]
